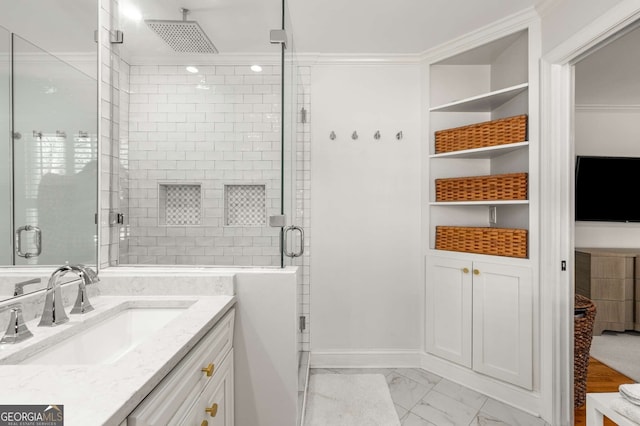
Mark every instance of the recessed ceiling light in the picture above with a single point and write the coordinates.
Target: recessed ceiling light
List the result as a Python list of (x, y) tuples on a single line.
[(256, 68), (192, 69), (131, 12)]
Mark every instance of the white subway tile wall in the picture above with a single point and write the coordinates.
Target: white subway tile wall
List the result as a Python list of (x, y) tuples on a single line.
[(220, 126)]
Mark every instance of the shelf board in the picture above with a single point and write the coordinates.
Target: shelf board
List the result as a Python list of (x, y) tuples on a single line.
[(480, 203), (483, 103), (486, 152)]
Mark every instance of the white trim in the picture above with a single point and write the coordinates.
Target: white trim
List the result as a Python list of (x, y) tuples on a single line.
[(498, 29), (556, 225), (527, 401), (357, 59), (608, 108), (366, 359), (220, 59)]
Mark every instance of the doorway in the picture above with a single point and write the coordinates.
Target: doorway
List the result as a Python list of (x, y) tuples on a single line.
[(558, 229)]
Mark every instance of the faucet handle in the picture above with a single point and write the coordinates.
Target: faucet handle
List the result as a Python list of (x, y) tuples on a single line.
[(87, 276), (17, 330)]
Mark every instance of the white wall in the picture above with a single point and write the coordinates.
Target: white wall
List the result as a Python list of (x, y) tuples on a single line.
[(366, 284), (604, 132)]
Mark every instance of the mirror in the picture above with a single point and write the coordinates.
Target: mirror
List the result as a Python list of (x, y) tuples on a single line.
[(48, 142)]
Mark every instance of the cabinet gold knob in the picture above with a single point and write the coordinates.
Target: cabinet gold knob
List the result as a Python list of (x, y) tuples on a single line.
[(213, 410), (204, 423), (476, 272), (208, 369), (465, 270)]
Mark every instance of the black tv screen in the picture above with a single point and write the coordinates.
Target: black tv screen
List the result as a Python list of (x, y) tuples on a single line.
[(607, 188)]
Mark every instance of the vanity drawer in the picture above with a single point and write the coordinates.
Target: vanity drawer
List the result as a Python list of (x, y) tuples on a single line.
[(214, 407), (186, 381)]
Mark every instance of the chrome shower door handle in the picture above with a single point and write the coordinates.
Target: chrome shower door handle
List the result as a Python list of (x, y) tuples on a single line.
[(37, 240), (301, 233)]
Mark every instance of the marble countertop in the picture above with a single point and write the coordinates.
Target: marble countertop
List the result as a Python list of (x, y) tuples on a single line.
[(105, 394)]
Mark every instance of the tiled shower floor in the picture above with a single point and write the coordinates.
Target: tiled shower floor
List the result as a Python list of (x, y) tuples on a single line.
[(425, 399)]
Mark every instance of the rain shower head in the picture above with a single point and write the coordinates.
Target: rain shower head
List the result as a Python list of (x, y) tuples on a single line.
[(183, 36)]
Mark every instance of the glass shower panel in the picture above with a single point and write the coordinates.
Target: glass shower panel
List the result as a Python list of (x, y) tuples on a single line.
[(55, 159), (6, 236)]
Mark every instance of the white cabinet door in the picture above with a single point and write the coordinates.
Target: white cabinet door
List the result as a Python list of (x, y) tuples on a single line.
[(503, 322), (448, 294), (214, 407)]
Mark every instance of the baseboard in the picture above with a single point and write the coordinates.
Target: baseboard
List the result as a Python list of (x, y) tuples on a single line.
[(366, 359), (525, 400)]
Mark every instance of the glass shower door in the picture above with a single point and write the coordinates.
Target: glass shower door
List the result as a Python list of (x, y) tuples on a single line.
[(55, 159), (6, 236)]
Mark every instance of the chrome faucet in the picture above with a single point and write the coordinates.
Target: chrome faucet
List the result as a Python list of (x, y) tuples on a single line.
[(17, 330), (53, 313)]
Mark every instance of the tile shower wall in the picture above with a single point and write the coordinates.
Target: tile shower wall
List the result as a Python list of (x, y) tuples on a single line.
[(218, 127)]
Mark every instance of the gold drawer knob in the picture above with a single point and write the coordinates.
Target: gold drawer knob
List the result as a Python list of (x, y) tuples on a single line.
[(465, 270), (213, 410), (208, 369), (204, 423), (476, 272)]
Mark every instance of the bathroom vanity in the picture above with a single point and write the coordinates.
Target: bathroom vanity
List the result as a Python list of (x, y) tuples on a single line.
[(181, 370), (212, 346)]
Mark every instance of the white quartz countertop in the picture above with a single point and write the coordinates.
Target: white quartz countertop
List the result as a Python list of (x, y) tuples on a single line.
[(105, 394)]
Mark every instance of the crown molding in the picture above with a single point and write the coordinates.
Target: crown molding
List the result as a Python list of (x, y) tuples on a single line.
[(608, 107), (357, 59), (497, 29)]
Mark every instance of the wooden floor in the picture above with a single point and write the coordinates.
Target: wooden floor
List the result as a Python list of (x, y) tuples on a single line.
[(600, 378)]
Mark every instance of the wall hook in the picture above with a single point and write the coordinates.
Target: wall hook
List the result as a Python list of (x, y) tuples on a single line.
[(399, 135), (332, 135), (376, 135), (354, 135)]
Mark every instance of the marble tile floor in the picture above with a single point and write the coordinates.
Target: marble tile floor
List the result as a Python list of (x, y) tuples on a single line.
[(425, 399)]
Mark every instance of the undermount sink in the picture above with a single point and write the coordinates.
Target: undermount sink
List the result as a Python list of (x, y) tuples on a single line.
[(108, 340)]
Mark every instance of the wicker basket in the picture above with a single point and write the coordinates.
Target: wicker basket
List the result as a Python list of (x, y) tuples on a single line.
[(480, 135), (511, 186), (585, 314), (492, 241)]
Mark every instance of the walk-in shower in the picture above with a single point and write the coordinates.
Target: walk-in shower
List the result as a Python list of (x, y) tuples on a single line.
[(206, 143)]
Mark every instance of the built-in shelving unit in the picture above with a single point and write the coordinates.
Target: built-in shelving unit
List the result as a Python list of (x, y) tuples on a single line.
[(482, 297), (479, 301), (486, 83)]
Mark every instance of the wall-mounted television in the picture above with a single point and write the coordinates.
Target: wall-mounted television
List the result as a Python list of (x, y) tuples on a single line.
[(607, 189)]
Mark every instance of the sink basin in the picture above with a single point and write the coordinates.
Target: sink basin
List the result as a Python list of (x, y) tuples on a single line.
[(108, 340)]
